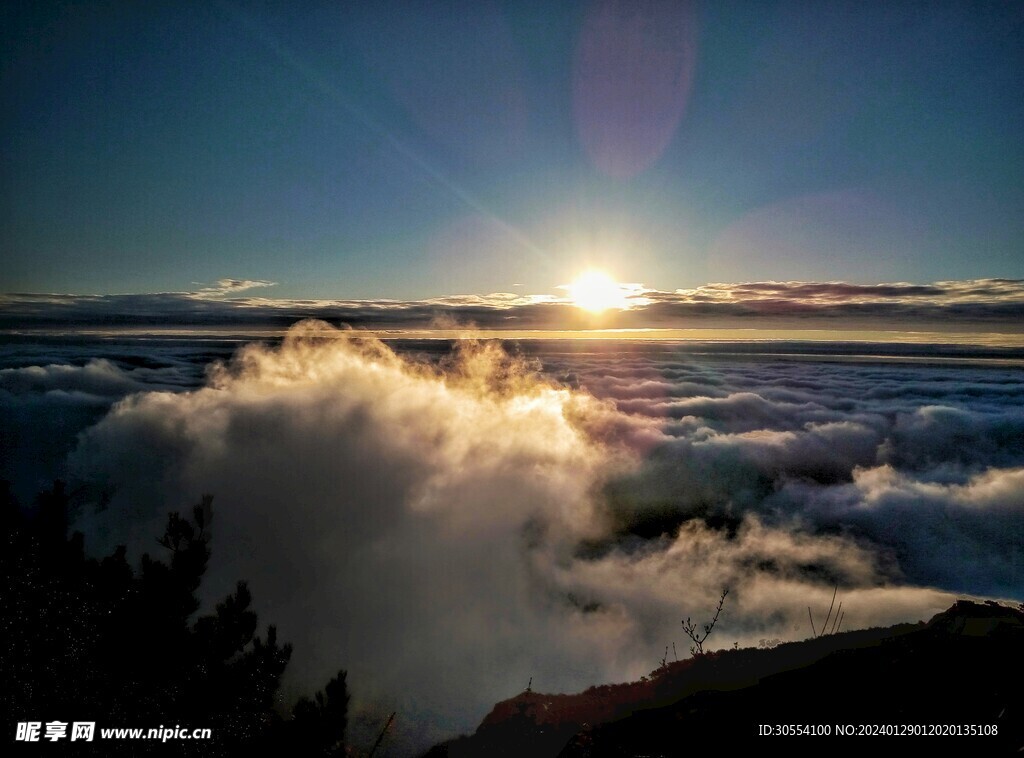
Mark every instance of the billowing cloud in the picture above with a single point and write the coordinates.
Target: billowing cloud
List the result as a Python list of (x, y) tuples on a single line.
[(449, 526), (385, 511), (963, 534), (49, 393), (99, 376)]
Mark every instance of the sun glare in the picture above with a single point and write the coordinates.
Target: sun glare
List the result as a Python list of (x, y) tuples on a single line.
[(595, 291)]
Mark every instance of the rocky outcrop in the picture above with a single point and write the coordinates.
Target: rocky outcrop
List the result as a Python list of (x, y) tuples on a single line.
[(960, 672)]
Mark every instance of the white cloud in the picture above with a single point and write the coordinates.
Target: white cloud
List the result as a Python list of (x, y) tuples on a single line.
[(225, 287)]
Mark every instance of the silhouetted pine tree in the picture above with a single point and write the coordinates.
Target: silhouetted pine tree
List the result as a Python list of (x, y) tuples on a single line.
[(318, 725), (83, 639)]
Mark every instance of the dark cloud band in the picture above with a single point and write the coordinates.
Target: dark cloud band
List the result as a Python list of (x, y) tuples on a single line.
[(996, 304)]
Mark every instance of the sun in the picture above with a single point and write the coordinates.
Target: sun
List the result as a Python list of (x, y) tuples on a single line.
[(595, 291)]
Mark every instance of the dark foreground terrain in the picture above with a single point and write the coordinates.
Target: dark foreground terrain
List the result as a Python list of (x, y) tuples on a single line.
[(959, 674)]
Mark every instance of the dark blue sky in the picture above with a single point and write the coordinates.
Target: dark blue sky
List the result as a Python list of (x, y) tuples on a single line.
[(422, 149)]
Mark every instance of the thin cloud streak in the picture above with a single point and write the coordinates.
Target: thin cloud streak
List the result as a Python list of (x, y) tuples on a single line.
[(225, 287)]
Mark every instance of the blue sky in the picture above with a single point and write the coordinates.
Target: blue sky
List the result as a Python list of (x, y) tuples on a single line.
[(415, 150)]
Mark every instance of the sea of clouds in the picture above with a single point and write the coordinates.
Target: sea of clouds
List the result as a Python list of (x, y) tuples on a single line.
[(447, 525)]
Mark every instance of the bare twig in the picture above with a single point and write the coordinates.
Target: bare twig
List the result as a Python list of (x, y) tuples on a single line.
[(835, 623), (837, 619), (382, 733), (830, 606), (691, 628)]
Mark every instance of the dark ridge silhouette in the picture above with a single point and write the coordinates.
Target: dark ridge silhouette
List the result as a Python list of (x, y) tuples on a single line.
[(85, 639), (962, 668)]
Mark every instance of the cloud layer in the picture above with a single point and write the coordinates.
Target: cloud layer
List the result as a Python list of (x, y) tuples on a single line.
[(447, 526), (923, 463), (992, 304)]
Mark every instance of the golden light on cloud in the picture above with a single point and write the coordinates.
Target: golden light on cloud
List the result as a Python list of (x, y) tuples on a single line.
[(595, 291)]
